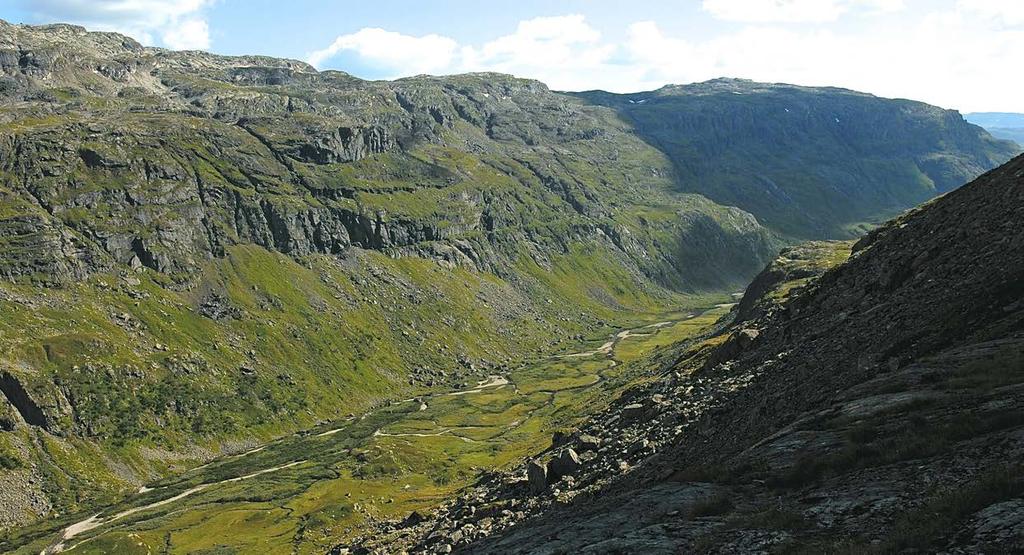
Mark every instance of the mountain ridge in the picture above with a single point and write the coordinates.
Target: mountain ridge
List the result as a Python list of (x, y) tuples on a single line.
[(837, 142), (313, 141)]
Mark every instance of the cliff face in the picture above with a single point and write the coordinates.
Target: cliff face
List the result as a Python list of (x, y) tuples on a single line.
[(125, 155), (811, 163), (793, 269), (118, 154)]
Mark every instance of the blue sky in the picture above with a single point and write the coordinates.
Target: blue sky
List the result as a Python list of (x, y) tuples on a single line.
[(955, 53)]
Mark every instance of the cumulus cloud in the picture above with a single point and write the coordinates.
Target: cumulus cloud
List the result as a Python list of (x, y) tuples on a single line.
[(553, 38), (188, 34), (540, 47), (564, 51), (394, 53), (775, 11), (1008, 14), (176, 24)]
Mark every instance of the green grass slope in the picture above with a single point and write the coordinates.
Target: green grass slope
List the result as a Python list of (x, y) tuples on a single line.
[(308, 492)]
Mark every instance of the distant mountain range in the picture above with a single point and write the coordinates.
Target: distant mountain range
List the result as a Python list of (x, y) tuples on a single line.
[(1004, 125)]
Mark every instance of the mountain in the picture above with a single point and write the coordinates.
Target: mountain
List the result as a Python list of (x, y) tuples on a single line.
[(200, 254), (1004, 125), (810, 163), (131, 156), (874, 407)]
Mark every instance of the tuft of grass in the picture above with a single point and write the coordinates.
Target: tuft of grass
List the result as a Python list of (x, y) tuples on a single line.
[(9, 462), (928, 526), (772, 518), (716, 505)]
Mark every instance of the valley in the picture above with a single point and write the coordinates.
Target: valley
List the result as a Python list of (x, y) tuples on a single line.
[(866, 398), (307, 492), (252, 306)]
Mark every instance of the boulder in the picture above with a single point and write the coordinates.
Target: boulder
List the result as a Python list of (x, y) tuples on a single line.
[(565, 464), (736, 344), (660, 400), (537, 475), (589, 443), (559, 438), (413, 519), (746, 337), (632, 412)]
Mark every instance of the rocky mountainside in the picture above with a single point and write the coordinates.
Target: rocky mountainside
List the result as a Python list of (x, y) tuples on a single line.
[(793, 269), (119, 155), (876, 409), (199, 253), (809, 162)]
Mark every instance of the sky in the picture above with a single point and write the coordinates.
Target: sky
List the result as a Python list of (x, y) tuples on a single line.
[(961, 54)]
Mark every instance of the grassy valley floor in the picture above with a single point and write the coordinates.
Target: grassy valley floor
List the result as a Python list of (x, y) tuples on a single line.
[(311, 491)]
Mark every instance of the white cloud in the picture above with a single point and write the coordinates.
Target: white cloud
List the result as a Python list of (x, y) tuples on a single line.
[(883, 6), (187, 34), (564, 51), (392, 52), (1006, 12), (175, 24), (794, 11), (775, 11), (554, 49)]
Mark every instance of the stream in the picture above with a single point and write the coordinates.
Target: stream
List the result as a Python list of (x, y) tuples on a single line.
[(493, 382)]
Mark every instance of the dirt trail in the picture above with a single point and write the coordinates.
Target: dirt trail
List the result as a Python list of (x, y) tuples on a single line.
[(602, 350), (491, 381)]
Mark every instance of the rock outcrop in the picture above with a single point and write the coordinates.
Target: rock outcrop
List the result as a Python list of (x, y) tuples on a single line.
[(20, 399)]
